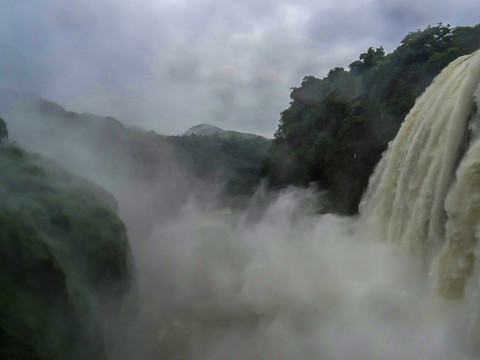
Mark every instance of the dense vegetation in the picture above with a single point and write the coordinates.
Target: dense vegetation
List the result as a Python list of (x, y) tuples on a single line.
[(63, 260), (235, 160), (336, 128)]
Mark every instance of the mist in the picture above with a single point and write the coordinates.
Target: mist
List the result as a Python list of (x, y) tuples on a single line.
[(274, 280), (289, 284)]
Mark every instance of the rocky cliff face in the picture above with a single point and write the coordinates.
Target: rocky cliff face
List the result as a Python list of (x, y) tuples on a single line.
[(63, 260)]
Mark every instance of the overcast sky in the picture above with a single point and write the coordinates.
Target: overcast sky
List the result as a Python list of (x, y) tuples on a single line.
[(170, 64)]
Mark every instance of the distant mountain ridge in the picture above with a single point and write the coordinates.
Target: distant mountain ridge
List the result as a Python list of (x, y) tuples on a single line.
[(203, 129), (210, 130), (11, 101), (101, 147)]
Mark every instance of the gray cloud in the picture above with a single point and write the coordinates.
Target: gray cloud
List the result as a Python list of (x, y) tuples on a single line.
[(171, 64)]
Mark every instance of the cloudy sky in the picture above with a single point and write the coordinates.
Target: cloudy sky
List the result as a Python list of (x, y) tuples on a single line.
[(170, 64)]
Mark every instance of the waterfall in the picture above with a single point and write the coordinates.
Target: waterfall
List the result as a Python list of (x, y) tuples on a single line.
[(425, 192)]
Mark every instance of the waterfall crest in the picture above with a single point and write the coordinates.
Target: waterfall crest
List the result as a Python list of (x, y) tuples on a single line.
[(425, 192)]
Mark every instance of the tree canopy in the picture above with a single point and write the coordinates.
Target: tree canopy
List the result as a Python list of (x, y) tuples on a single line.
[(336, 128)]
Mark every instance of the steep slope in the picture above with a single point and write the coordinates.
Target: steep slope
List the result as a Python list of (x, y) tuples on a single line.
[(101, 148), (63, 260)]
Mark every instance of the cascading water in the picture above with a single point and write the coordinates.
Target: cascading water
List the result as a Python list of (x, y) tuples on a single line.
[(425, 192)]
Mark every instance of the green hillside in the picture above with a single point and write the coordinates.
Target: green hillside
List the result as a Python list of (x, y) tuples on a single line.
[(83, 141), (63, 260)]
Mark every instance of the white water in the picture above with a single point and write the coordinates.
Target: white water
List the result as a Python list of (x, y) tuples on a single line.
[(417, 197)]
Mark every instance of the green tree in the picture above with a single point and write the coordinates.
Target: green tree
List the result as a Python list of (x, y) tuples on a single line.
[(367, 61), (3, 130)]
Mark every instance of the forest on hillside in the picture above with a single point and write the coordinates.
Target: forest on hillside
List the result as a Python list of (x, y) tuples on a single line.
[(336, 128), (232, 162)]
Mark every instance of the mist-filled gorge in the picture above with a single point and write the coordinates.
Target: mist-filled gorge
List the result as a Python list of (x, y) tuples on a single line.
[(351, 233)]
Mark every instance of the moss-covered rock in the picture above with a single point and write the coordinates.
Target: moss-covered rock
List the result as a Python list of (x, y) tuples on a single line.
[(63, 260)]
